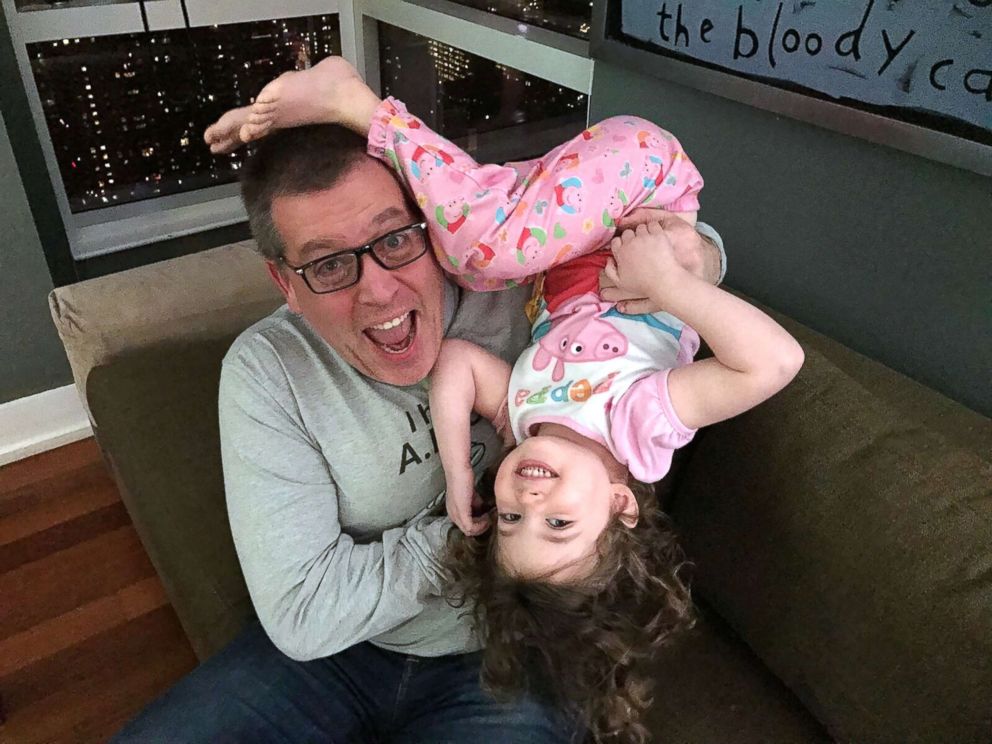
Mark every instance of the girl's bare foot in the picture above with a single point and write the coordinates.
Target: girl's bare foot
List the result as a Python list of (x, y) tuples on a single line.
[(329, 93), (224, 135)]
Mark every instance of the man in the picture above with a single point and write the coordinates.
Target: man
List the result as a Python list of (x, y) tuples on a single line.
[(332, 471)]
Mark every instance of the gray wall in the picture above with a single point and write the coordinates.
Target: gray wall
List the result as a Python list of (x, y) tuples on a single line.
[(887, 252), (31, 355)]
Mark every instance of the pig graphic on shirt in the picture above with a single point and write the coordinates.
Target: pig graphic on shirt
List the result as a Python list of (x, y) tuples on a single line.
[(578, 334)]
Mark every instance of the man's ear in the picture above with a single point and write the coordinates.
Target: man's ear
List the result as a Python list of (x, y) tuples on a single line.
[(285, 286), (625, 505)]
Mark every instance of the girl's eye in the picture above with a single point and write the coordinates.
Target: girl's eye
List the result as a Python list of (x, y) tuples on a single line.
[(558, 524), (509, 518)]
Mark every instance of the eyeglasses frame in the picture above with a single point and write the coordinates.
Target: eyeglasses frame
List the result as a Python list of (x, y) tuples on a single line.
[(358, 253)]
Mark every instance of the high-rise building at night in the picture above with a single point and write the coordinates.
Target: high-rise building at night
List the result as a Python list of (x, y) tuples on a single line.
[(126, 113), (461, 94)]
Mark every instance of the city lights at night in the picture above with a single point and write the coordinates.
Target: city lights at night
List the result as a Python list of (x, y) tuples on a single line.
[(460, 94), (126, 113)]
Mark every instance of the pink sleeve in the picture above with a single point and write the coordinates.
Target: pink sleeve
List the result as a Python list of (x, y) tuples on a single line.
[(645, 428)]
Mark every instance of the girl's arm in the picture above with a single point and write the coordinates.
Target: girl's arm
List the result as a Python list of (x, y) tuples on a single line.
[(466, 378), (754, 357)]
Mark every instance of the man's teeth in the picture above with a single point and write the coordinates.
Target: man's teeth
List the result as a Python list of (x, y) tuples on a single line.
[(391, 323), (535, 472)]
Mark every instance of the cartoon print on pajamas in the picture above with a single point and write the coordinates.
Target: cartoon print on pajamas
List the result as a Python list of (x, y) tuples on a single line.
[(578, 339), (530, 243), (510, 222), (592, 132), (452, 215), (567, 162), (614, 207), (654, 172), (483, 255), (427, 159), (648, 140), (568, 195)]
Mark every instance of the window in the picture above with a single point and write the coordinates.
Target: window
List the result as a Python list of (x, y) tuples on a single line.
[(126, 113), (121, 90), (494, 111)]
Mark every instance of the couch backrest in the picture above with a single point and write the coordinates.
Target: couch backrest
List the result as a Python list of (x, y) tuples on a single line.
[(844, 530)]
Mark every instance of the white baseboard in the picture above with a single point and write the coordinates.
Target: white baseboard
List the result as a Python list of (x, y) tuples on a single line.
[(41, 422)]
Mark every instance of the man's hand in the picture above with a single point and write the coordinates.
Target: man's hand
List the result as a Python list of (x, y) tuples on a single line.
[(692, 251), (460, 499), (644, 261)]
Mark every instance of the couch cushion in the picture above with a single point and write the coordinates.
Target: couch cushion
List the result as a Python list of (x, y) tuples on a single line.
[(712, 689), (155, 416), (850, 545)]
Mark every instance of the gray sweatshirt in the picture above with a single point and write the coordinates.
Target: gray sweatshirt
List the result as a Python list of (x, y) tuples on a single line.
[(332, 481)]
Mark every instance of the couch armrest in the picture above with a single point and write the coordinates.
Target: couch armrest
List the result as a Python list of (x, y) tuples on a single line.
[(207, 295), (156, 421)]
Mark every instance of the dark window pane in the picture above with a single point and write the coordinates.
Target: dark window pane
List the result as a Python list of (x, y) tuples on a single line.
[(570, 17), (126, 113), (494, 112)]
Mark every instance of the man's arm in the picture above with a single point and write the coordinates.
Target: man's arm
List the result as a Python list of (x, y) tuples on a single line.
[(315, 590)]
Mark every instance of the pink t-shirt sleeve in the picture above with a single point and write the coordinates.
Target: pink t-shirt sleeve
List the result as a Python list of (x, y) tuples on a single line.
[(645, 429)]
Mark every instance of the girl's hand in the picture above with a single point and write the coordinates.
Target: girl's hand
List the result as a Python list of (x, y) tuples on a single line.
[(644, 262), (460, 499), (694, 253)]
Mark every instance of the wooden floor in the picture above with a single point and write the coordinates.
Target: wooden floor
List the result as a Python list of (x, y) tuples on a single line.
[(87, 636)]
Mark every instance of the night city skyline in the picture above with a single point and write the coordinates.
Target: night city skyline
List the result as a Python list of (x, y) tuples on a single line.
[(126, 112)]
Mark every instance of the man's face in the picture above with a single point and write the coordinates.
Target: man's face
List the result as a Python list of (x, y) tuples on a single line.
[(388, 326)]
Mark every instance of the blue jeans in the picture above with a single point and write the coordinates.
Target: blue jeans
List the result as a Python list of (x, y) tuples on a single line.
[(251, 692)]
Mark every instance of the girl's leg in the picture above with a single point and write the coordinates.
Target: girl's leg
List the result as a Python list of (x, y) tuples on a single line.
[(224, 135), (331, 92), (496, 225)]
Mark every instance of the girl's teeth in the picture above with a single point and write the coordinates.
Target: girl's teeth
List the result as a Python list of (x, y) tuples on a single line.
[(533, 472)]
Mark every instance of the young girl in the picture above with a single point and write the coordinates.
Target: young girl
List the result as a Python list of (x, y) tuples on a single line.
[(573, 579)]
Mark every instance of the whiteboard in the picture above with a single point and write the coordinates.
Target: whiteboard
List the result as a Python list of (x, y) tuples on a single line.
[(925, 62)]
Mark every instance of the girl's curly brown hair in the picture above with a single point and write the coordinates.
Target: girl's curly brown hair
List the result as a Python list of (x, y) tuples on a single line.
[(581, 644)]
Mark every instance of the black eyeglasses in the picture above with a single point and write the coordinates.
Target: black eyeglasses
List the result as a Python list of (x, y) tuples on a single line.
[(343, 269)]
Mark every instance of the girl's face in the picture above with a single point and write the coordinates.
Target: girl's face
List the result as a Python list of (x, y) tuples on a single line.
[(553, 500)]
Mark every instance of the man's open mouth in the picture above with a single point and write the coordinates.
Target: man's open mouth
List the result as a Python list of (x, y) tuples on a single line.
[(535, 470), (396, 335)]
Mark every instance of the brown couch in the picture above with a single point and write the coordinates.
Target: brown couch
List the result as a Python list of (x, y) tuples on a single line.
[(841, 533)]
